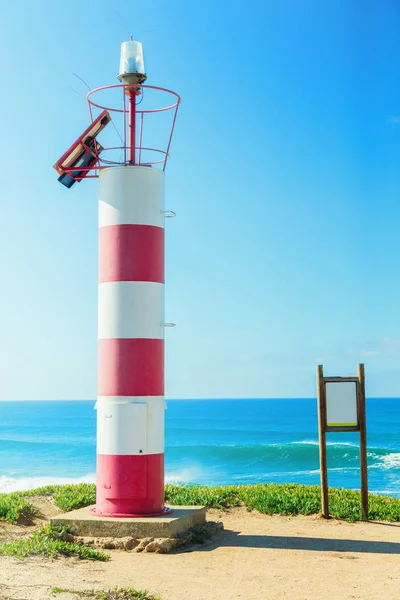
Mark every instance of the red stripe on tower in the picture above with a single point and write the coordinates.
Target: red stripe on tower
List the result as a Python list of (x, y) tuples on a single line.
[(131, 253), (137, 483), (131, 367)]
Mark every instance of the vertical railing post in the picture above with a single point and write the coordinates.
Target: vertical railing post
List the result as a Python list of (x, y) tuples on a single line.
[(140, 137), (125, 131), (132, 126), (363, 442), (322, 441)]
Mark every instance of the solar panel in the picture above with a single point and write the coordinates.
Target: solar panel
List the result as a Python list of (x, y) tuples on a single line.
[(85, 159), (73, 164)]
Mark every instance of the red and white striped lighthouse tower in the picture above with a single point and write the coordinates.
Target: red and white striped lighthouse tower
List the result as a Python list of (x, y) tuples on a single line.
[(130, 404), (130, 407)]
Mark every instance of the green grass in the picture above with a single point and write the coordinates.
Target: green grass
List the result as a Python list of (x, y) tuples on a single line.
[(115, 594), (45, 542), (286, 499), (212, 497), (269, 499), (67, 497), (14, 508)]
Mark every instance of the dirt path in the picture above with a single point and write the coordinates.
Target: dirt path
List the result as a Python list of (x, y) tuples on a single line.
[(255, 558)]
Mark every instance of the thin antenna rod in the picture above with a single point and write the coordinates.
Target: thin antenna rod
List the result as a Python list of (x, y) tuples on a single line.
[(83, 81), (76, 92)]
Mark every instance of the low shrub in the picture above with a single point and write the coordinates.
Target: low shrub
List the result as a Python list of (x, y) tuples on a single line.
[(46, 541), (14, 508)]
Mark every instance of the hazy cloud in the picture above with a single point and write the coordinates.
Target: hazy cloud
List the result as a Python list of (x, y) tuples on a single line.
[(385, 347), (394, 119)]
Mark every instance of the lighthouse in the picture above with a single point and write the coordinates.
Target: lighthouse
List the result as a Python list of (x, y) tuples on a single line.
[(131, 281)]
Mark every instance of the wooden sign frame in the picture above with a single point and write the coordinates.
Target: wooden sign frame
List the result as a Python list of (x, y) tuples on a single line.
[(323, 429)]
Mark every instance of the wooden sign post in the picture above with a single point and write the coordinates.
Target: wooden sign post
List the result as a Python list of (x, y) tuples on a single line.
[(341, 407)]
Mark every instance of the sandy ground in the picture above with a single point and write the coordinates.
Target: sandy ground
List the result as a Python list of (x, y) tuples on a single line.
[(255, 558)]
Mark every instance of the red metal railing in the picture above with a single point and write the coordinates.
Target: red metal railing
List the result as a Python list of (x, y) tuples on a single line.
[(131, 149)]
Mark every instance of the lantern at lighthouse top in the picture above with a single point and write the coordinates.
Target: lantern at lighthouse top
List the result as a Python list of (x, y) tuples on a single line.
[(131, 66), (86, 157)]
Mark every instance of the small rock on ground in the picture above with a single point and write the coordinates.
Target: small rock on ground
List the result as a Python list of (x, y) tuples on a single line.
[(110, 543), (164, 545)]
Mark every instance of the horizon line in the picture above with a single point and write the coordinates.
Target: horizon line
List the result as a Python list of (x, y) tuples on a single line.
[(191, 399)]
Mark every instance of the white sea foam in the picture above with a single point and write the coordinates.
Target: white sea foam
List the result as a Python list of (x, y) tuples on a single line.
[(394, 493), (304, 443), (189, 475), (11, 484), (385, 462), (314, 443), (294, 473), (391, 461), (265, 476), (342, 444)]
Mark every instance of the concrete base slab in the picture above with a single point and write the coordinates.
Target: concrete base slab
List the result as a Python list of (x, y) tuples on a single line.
[(81, 522)]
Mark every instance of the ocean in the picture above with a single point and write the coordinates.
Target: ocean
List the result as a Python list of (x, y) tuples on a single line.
[(207, 442)]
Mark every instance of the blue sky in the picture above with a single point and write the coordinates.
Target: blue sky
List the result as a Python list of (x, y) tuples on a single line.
[(285, 174)]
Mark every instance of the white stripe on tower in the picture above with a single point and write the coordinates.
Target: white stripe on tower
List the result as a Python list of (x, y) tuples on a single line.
[(130, 407), (131, 309)]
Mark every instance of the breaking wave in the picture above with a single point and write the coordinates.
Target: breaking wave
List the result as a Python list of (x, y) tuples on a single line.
[(11, 484)]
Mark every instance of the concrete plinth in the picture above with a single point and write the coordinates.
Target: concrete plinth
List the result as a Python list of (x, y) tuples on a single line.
[(81, 522)]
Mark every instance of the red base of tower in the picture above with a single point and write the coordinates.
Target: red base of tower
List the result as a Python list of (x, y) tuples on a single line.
[(130, 486)]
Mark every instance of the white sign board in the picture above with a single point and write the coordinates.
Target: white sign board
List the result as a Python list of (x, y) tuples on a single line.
[(341, 404)]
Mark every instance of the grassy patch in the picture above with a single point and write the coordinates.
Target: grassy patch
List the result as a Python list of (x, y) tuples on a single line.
[(212, 497), (286, 499), (269, 499), (14, 508), (45, 541), (67, 497), (115, 594), (70, 497)]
